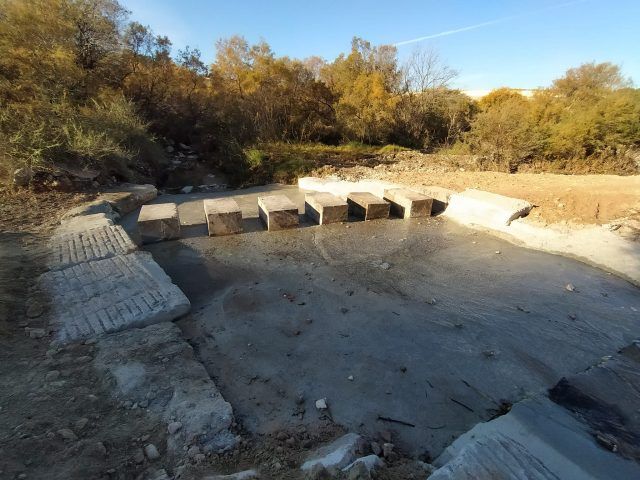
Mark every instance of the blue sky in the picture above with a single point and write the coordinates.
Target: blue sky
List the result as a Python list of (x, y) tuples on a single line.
[(492, 43)]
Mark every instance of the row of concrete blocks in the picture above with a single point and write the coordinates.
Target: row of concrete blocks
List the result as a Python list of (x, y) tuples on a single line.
[(224, 217)]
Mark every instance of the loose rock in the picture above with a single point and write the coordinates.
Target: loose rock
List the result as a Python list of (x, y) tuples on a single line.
[(67, 434), (173, 427), (151, 452)]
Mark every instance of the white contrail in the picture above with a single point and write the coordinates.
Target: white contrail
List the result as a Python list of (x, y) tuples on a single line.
[(485, 24)]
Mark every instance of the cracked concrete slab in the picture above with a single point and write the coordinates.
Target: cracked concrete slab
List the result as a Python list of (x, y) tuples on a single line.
[(485, 208), (536, 440), (110, 295), (156, 369), (72, 248)]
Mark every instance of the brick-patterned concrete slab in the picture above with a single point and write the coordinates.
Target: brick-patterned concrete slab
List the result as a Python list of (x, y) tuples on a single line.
[(72, 248), (110, 295), (83, 222)]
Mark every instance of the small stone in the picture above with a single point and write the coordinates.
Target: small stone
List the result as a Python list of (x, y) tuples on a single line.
[(36, 332), (34, 310), (607, 442), (570, 288), (497, 252), (187, 189), (387, 449), (100, 449), (343, 310), (193, 451), (173, 427), (375, 448), (321, 404), (350, 378), (67, 434), (80, 424), (52, 376), (385, 266), (572, 316), (139, 456), (151, 452)]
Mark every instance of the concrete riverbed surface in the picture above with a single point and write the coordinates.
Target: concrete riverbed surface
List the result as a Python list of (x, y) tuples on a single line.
[(421, 327)]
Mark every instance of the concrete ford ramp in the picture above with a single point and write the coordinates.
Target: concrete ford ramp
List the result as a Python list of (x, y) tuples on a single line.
[(110, 295), (486, 208)]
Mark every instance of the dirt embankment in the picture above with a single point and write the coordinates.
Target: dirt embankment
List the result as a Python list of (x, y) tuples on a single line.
[(579, 199)]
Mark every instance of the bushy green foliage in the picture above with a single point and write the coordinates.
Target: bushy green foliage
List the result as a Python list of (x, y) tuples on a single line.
[(589, 117)]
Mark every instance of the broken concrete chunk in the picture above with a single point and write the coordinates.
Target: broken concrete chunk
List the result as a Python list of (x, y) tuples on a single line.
[(130, 197), (368, 206), (325, 208), (159, 222), (223, 215), (336, 455), (277, 212), (186, 393), (485, 208), (406, 203)]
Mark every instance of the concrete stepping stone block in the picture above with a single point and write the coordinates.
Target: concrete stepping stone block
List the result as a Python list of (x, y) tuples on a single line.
[(72, 248), (159, 222), (367, 205), (325, 208), (406, 203), (277, 212), (223, 215)]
